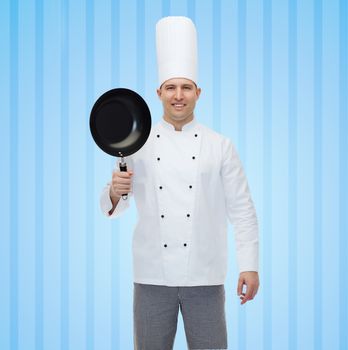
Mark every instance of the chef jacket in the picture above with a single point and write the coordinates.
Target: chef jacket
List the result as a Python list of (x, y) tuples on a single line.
[(186, 184)]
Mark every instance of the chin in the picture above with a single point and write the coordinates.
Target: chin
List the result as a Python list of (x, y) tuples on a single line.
[(179, 118)]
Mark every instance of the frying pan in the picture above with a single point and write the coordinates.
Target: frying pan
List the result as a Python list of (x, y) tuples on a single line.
[(120, 123)]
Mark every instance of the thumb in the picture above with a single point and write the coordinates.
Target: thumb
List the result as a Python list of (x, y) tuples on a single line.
[(130, 172)]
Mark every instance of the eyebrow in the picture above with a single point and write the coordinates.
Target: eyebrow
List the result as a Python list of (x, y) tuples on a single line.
[(183, 85)]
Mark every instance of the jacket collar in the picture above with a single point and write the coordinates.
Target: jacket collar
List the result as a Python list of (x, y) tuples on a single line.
[(187, 127)]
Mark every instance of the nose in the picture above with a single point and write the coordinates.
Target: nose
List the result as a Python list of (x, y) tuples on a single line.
[(178, 93)]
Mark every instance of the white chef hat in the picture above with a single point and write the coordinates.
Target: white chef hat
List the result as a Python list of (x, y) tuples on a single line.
[(176, 43)]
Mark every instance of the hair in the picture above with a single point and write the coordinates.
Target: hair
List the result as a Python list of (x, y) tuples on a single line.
[(189, 79)]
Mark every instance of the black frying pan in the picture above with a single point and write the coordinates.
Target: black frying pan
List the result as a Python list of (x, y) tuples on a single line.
[(120, 123)]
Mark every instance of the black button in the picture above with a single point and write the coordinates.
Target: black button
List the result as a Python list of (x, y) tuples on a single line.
[(162, 216), (188, 215), (160, 187), (193, 157), (165, 246), (158, 158), (185, 244), (196, 135), (158, 136), (190, 186)]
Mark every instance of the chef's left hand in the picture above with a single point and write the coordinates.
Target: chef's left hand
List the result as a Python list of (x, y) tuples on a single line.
[(251, 280)]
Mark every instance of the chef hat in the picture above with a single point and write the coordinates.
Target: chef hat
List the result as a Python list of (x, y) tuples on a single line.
[(176, 42)]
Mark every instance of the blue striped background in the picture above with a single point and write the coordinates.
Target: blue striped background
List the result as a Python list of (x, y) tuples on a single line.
[(274, 78)]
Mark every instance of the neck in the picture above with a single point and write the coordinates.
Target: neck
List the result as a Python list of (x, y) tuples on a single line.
[(178, 124)]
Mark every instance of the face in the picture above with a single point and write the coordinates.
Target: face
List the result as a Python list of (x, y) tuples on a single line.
[(179, 98)]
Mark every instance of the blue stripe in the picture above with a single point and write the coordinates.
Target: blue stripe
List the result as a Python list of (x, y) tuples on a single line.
[(140, 39), (13, 174), (64, 174), (241, 130), (115, 241), (317, 87), (191, 9), (267, 174), (217, 65), (39, 181), (165, 8), (5, 184), (90, 334), (292, 117), (115, 42), (343, 173), (241, 77)]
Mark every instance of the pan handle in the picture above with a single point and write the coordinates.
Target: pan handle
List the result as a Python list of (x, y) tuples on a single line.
[(123, 167)]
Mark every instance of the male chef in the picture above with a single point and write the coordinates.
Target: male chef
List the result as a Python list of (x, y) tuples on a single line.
[(187, 182)]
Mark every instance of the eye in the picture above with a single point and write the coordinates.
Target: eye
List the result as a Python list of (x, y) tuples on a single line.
[(169, 87), (187, 88)]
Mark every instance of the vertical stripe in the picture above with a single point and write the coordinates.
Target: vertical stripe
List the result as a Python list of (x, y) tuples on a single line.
[(13, 174), (191, 10), (217, 65), (343, 172), (89, 179), (115, 39), (267, 174), (292, 161), (5, 168), (140, 40), (115, 241), (317, 86), (165, 8), (241, 76), (241, 130), (39, 175), (64, 175)]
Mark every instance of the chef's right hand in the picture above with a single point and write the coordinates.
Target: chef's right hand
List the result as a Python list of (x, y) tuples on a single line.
[(121, 183)]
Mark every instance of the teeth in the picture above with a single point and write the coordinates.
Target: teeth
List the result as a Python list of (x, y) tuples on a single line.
[(178, 105)]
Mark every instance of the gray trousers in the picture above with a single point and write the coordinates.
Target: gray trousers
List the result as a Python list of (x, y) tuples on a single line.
[(156, 311)]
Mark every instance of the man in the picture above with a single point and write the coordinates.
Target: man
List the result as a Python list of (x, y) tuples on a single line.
[(186, 181)]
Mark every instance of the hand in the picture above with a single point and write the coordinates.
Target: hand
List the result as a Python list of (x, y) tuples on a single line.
[(251, 280), (121, 183)]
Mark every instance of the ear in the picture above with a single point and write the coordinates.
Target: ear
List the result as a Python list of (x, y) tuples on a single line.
[(159, 93), (198, 92)]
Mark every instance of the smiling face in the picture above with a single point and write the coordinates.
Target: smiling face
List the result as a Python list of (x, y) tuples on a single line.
[(178, 96)]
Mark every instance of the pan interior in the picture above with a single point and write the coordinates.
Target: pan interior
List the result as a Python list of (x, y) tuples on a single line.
[(114, 122)]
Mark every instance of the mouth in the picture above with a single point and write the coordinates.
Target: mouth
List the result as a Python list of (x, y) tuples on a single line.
[(178, 106)]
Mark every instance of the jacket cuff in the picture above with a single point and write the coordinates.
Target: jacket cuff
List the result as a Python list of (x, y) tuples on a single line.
[(248, 258)]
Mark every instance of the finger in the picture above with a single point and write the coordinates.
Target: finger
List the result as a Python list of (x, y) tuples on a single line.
[(121, 184), (242, 296), (248, 295), (121, 180), (240, 286), (245, 299), (122, 188), (124, 174), (116, 184), (120, 192)]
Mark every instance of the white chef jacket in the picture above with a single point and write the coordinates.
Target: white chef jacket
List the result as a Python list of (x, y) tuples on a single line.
[(186, 184)]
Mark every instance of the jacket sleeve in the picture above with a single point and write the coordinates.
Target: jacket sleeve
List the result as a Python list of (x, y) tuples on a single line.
[(105, 200), (240, 209)]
